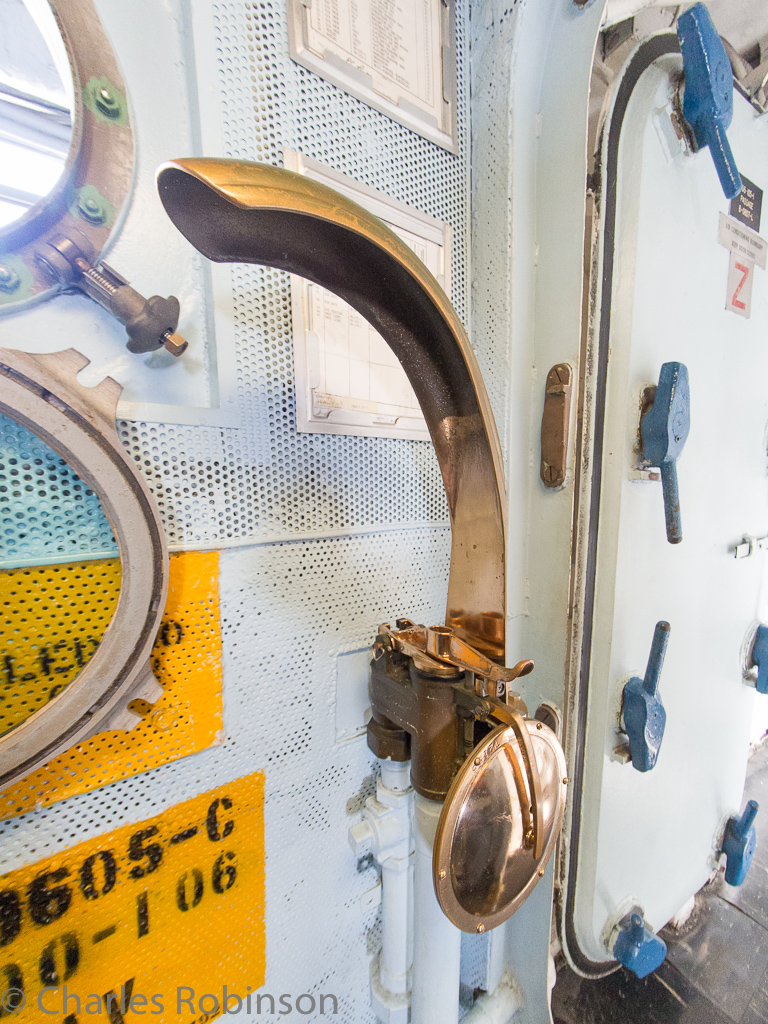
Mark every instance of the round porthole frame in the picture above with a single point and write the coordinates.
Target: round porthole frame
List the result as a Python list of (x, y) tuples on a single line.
[(41, 393), (90, 198), (554, 788)]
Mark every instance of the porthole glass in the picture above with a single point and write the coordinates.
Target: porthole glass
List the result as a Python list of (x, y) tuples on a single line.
[(36, 106)]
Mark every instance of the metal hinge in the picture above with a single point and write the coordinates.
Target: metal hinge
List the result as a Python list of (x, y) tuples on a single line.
[(150, 323), (749, 545)]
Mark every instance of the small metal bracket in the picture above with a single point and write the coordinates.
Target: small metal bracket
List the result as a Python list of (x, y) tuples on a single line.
[(749, 545), (750, 78), (648, 476)]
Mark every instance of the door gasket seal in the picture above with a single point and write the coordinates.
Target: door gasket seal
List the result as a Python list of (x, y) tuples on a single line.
[(646, 54)]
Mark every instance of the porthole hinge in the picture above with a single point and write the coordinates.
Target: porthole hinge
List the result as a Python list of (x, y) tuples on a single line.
[(150, 323)]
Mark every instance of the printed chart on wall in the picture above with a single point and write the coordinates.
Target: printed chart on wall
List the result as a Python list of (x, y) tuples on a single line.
[(147, 919), (389, 53), (739, 234), (348, 379)]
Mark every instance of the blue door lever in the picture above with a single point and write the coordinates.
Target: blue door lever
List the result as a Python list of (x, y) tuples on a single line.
[(708, 98), (664, 430), (638, 948), (644, 714), (739, 844), (759, 657)]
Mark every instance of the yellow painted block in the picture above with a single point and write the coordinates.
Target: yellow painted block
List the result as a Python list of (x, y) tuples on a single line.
[(186, 660), (169, 909), (54, 617)]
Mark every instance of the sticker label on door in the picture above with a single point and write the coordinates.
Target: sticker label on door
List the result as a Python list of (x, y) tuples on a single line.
[(147, 919), (748, 204), (742, 242), (739, 296)]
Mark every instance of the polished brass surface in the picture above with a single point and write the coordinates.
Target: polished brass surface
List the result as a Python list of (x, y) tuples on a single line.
[(435, 703), (416, 716), (424, 693), (437, 648), (234, 211), (513, 718), (484, 865), (438, 750)]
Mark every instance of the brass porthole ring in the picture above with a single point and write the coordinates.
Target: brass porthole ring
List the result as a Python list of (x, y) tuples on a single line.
[(41, 392), (89, 201)]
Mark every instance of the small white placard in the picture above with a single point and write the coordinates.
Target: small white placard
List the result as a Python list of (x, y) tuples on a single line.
[(348, 380), (395, 55), (353, 706), (742, 241), (739, 296)]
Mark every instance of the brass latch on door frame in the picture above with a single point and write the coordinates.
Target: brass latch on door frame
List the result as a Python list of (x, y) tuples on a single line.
[(555, 424)]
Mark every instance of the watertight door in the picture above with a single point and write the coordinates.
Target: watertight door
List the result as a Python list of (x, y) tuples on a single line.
[(649, 838)]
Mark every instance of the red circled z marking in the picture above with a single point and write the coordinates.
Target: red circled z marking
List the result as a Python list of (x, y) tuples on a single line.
[(736, 301)]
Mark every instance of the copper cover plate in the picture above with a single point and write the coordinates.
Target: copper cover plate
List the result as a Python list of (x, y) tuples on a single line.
[(484, 863)]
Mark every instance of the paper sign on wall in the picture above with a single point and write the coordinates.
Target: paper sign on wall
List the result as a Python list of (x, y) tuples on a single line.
[(747, 251), (741, 241), (348, 380), (739, 295), (397, 56)]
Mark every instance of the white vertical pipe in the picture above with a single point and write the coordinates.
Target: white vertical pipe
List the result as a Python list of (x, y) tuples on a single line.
[(396, 887), (436, 942), (395, 962), (395, 775)]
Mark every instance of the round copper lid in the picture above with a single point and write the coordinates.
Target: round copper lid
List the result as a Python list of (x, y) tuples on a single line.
[(485, 859)]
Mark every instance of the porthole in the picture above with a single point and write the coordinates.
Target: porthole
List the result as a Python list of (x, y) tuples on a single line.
[(72, 109), (42, 395)]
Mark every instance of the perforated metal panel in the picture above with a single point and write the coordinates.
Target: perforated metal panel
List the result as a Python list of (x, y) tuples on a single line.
[(335, 534), (265, 480), (47, 513), (52, 620)]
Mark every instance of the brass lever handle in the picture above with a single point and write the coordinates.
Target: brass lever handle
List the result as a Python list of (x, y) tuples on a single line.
[(441, 644), (506, 715), (233, 211)]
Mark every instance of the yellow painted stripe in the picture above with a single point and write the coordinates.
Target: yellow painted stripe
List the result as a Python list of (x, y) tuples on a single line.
[(44, 624), (168, 909)]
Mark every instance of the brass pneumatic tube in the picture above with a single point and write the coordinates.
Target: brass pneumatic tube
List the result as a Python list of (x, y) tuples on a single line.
[(239, 212)]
